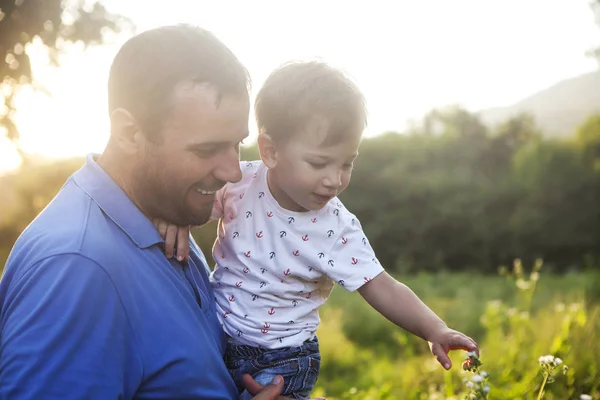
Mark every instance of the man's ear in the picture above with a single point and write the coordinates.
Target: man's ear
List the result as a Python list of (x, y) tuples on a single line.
[(125, 131), (267, 150)]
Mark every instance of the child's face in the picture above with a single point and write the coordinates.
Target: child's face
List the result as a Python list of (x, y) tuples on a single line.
[(308, 174)]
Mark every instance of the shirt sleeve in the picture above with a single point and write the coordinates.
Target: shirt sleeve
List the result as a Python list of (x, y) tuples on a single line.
[(218, 205), (65, 334), (352, 261)]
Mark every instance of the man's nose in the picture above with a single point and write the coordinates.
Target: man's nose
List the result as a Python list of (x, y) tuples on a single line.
[(228, 167)]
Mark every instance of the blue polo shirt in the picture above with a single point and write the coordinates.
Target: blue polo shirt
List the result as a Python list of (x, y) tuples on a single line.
[(92, 309)]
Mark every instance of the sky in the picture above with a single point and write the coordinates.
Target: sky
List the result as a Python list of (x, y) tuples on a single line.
[(408, 57)]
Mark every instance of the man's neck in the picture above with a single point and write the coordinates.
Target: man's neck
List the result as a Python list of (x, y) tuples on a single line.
[(120, 173)]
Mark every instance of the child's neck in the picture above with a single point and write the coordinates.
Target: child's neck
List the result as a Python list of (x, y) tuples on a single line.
[(280, 196)]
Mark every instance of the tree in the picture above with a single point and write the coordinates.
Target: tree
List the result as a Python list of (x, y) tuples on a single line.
[(56, 23)]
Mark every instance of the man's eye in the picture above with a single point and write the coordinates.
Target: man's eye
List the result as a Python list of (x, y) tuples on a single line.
[(348, 166), (207, 153)]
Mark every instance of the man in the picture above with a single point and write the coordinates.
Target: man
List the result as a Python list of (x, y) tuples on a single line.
[(90, 306)]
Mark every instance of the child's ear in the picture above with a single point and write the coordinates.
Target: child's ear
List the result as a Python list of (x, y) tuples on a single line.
[(267, 150)]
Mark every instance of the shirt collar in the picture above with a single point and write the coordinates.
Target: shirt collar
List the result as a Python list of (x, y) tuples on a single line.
[(111, 199)]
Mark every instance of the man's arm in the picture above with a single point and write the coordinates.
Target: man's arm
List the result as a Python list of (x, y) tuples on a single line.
[(65, 334)]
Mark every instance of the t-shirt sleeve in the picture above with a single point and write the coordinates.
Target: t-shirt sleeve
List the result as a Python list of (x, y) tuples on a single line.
[(223, 196), (218, 205), (65, 334), (352, 261)]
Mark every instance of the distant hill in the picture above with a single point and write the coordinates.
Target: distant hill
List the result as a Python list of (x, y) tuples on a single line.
[(558, 110)]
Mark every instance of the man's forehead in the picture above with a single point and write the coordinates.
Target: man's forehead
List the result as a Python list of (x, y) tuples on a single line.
[(206, 94)]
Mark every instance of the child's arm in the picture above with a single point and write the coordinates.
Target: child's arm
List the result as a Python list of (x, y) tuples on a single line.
[(179, 236), (398, 303)]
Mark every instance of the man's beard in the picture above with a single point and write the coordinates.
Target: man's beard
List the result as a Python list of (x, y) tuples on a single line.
[(158, 198)]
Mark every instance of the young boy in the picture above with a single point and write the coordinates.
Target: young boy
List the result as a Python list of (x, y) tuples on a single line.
[(284, 238)]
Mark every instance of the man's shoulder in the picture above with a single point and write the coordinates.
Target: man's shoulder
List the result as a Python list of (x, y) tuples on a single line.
[(66, 226)]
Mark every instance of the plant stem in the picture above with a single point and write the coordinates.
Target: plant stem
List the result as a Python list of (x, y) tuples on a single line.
[(542, 388)]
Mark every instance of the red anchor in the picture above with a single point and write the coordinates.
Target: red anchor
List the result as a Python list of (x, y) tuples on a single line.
[(271, 311), (286, 272), (232, 298), (231, 216), (296, 253), (226, 314), (305, 238), (367, 279), (270, 214), (246, 270), (354, 261), (241, 196), (309, 295), (344, 240), (266, 328), (238, 284), (247, 254), (259, 235), (222, 255), (314, 220)]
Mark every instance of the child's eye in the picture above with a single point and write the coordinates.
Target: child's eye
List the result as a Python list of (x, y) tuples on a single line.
[(348, 166), (317, 165)]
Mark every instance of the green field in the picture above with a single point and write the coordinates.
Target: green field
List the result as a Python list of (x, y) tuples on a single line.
[(366, 357)]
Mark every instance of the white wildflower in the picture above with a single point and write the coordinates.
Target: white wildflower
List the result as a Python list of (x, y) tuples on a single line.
[(477, 378), (548, 359), (483, 373), (470, 385), (585, 397), (557, 361), (486, 388)]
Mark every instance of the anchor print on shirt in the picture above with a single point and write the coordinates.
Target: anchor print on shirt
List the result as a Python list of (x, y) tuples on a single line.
[(265, 328)]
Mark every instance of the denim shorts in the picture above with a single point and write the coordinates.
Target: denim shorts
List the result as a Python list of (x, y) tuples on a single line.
[(299, 366)]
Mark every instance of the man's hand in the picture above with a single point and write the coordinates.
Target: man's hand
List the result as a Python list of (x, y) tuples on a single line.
[(448, 339), (174, 236), (269, 392)]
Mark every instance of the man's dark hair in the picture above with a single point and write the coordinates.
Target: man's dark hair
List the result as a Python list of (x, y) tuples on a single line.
[(297, 92), (150, 65)]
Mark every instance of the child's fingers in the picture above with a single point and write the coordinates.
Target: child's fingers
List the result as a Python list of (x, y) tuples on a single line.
[(441, 355), (161, 227), (170, 239), (183, 243)]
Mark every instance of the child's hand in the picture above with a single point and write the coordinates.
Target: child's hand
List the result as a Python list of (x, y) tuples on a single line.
[(448, 339), (174, 236)]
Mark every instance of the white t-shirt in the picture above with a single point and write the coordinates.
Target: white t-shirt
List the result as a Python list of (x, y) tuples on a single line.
[(276, 267)]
